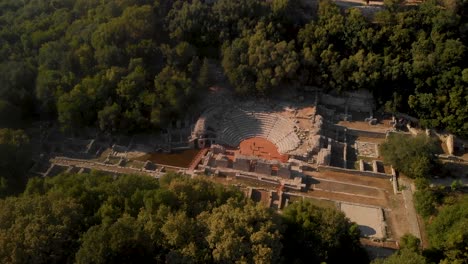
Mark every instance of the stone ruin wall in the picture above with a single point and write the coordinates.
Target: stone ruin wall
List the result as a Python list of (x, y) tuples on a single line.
[(360, 101)]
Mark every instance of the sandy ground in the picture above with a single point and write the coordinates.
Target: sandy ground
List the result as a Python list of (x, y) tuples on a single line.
[(135, 154), (407, 193), (358, 190), (361, 125), (369, 219), (350, 178), (371, 140)]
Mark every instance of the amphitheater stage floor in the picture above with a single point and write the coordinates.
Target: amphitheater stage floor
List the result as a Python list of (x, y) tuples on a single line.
[(261, 148)]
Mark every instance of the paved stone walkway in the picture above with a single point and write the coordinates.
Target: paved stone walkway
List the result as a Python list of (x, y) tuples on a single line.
[(410, 210)]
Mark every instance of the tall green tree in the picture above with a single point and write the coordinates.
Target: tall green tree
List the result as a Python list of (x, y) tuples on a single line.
[(239, 232), (403, 256), (39, 229), (231, 18), (414, 156), (315, 234), (15, 160), (123, 241), (447, 232), (191, 22)]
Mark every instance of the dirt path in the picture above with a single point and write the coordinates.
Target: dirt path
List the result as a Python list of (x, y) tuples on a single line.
[(352, 179), (348, 188), (361, 125), (347, 197), (410, 210)]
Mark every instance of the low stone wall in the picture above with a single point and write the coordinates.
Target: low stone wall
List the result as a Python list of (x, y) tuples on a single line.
[(113, 167), (355, 172), (331, 130), (332, 100), (362, 133), (359, 101)]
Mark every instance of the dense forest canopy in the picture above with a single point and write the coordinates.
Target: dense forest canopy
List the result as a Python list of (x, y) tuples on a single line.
[(136, 64), (97, 218)]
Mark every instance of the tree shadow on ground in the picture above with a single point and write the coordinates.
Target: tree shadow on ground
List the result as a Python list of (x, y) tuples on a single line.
[(367, 230)]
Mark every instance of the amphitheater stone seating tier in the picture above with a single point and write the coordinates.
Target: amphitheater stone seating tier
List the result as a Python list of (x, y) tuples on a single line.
[(237, 125)]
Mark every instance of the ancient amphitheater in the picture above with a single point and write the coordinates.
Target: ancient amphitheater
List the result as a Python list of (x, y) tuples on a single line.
[(288, 129)]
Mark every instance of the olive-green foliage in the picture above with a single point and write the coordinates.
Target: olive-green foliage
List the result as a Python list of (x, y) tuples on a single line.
[(446, 214), (416, 53), (257, 64), (191, 22), (233, 17), (123, 241), (98, 218), (293, 13), (73, 60), (425, 198), (448, 233), (39, 229), (317, 235), (409, 241), (406, 256), (235, 60), (413, 156), (14, 160), (174, 87), (77, 60), (409, 252), (243, 232), (128, 218), (109, 118), (425, 202)]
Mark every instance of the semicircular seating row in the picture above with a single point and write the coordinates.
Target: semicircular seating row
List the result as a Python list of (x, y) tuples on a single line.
[(239, 125)]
